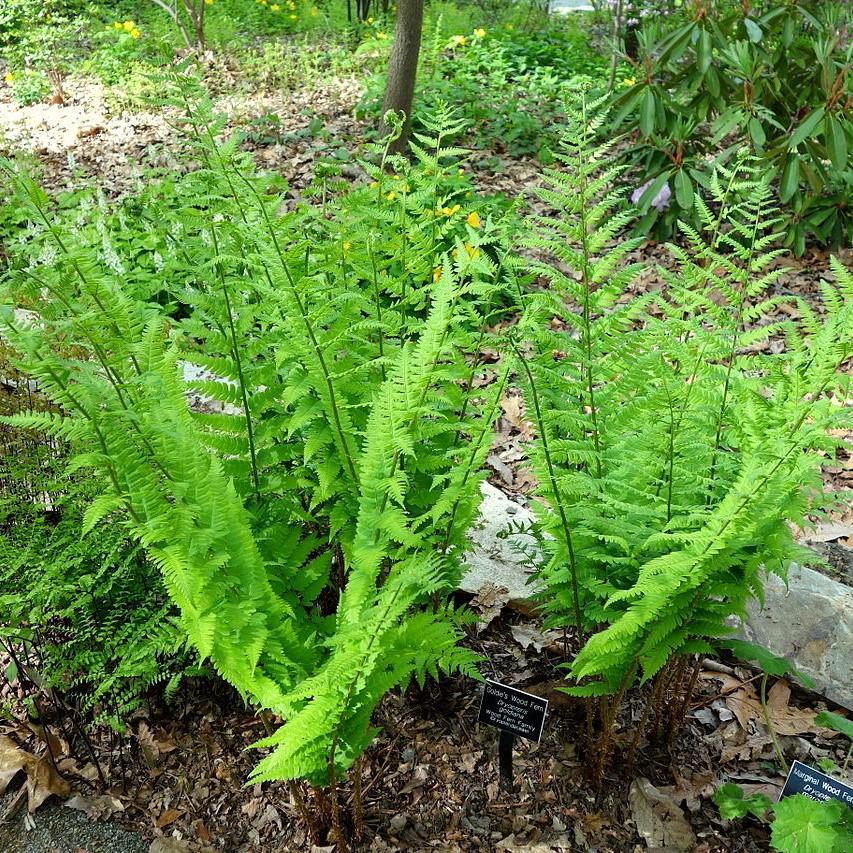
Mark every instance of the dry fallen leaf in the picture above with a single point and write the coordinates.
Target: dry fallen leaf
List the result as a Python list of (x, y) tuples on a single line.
[(786, 720), (12, 761), (527, 635), (168, 816), (98, 807), (513, 410), (489, 602), (42, 778), (658, 818)]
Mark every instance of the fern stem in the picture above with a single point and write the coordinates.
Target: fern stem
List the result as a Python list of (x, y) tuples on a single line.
[(65, 251), (378, 308), (670, 452), (318, 352), (558, 499), (475, 447), (676, 720), (247, 414), (98, 433), (586, 283), (733, 350)]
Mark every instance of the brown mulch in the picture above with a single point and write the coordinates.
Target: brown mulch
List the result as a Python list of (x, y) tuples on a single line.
[(430, 779)]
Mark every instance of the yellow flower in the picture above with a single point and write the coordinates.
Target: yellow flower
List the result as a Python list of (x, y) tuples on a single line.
[(509, 26), (436, 273), (473, 219), (134, 33), (9, 77), (374, 184), (208, 2), (458, 41), (347, 246), (370, 20), (461, 172), (628, 81), (391, 196), (381, 36), (479, 32), (118, 25), (128, 26), (292, 17), (274, 7), (471, 251)]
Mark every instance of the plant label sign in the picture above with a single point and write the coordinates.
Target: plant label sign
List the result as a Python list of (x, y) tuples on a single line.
[(803, 779), (513, 711)]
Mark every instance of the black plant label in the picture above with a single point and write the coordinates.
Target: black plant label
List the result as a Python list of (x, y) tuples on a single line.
[(513, 711), (803, 779)]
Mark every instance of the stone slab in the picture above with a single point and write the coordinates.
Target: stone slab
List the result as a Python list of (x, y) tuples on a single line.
[(810, 624), (501, 552)]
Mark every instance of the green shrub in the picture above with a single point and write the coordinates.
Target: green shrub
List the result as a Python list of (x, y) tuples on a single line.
[(772, 75), (673, 451), (28, 87), (309, 525), (484, 74)]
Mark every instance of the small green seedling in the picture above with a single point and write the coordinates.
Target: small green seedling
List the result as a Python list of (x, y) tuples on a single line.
[(799, 823)]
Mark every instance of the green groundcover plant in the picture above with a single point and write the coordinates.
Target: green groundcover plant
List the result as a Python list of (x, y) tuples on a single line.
[(485, 70)]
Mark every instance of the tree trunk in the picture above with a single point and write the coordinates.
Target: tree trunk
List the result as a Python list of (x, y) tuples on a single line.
[(403, 65)]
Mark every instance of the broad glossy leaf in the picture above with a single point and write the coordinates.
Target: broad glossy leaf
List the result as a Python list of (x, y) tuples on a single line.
[(790, 178), (806, 128), (756, 132), (647, 113), (836, 141), (683, 190), (704, 52), (753, 31)]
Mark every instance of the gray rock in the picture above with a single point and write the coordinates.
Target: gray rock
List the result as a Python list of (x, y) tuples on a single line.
[(498, 556), (810, 623)]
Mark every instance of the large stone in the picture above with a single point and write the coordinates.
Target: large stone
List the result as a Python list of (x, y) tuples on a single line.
[(810, 623), (501, 552)]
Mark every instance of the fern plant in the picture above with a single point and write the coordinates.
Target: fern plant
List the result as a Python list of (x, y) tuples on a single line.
[(309, 519), (671, 453)]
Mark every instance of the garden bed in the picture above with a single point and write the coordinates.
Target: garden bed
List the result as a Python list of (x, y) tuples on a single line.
[(175, 778)]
